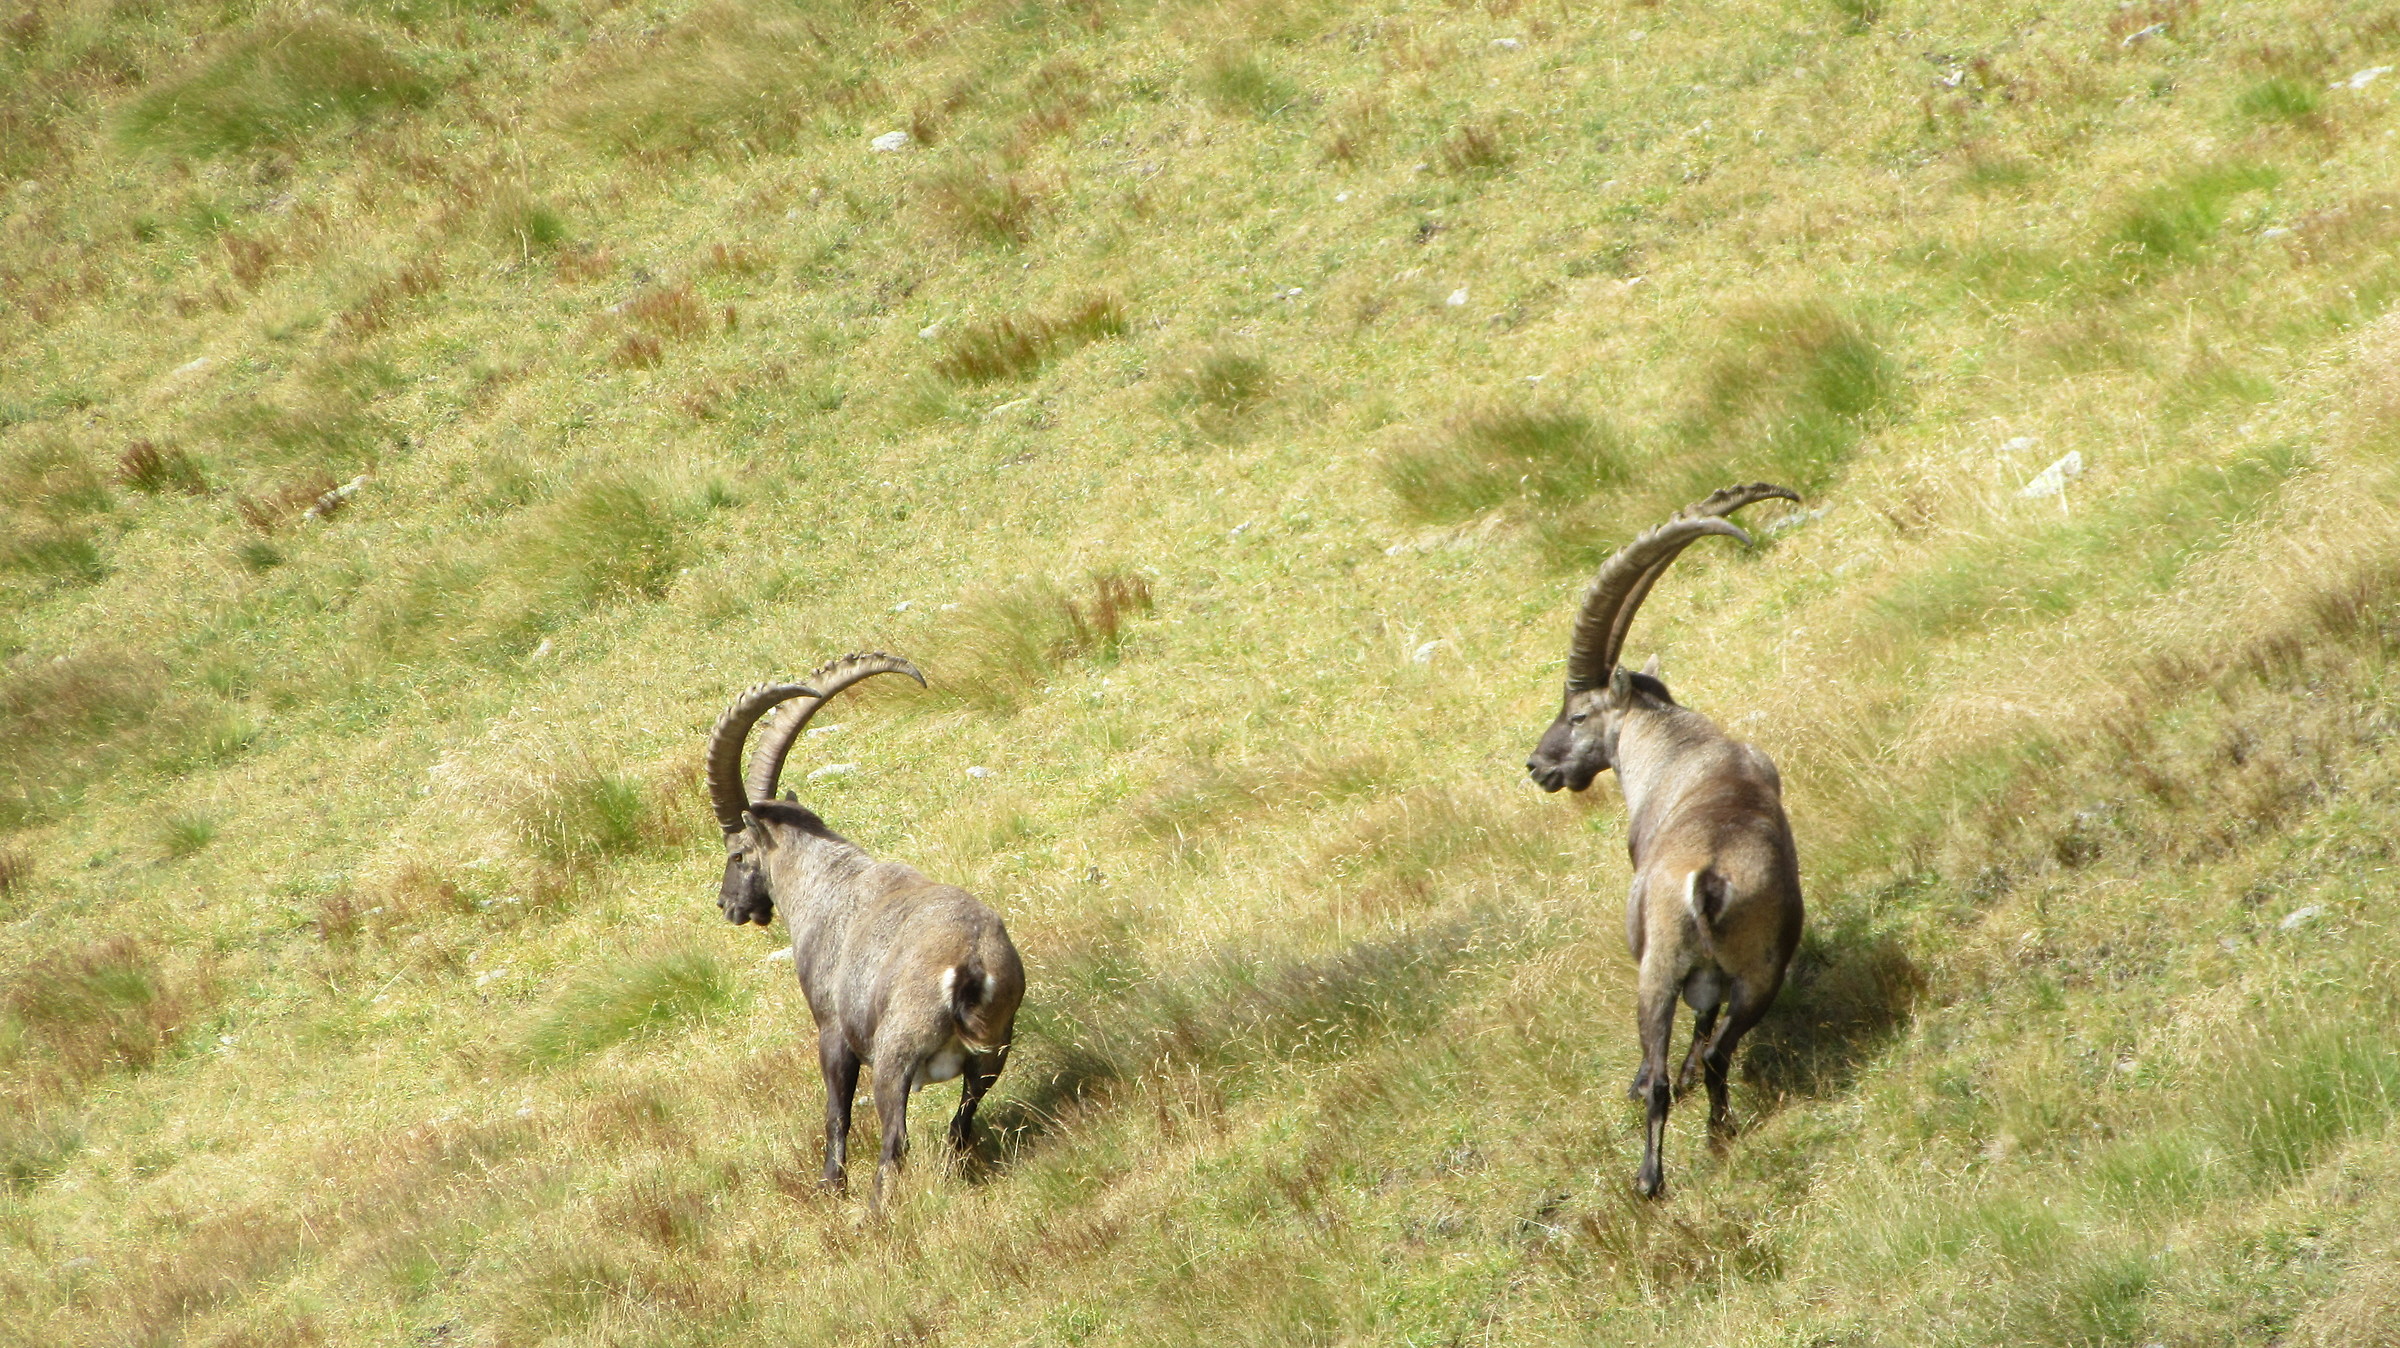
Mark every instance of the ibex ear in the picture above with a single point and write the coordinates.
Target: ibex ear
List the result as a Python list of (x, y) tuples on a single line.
[(752, 829), (1620, 682), (1651, 667), (791, 797)]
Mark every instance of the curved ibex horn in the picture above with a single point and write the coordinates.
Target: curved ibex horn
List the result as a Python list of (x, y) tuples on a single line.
[(1717, 504), (725, 747), (775, 742), (1624, 581)]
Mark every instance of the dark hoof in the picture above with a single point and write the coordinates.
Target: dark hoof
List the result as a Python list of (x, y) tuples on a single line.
[(1640, 1086), (1650, 1186)]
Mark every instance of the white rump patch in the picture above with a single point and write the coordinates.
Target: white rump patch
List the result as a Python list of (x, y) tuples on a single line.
[(949, 981)]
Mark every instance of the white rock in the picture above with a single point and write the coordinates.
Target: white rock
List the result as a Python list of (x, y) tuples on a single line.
[(834, 729), (781, 953), (902, 606), (1506, 43), (892, 142), (832, 770), (2274, 231), (2363, 78), (2152, 31), (2053, 480), (1341, 196), (1423, 655), (1458, 297), (979, 772), (2301, 917), (541, 650), (526, 1112), (930, 331), (189, 367), (2018, 444)]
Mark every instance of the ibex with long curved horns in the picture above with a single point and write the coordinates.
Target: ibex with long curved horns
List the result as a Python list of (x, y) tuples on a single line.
[(917, 979), (1715, 912)]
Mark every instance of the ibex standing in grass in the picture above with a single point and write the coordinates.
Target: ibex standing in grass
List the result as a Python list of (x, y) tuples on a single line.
[(915, 978), (1715, 911)]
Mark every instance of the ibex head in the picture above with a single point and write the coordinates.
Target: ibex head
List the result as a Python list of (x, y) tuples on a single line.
[(1582, 742), (744, 896)]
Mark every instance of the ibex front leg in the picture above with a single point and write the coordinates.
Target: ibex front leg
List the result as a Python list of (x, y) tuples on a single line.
[(1658, 1089), (840, 1067)]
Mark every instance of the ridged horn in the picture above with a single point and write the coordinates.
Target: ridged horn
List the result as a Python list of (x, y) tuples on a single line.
[(775, 742), (725, 747), (1716, 505)]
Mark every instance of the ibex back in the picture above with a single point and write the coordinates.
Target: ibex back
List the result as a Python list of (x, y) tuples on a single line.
[(1714, 914), (916, 979)]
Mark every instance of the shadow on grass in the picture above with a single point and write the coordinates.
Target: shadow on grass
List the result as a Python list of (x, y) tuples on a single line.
[(1849, 993), (1233, 1014)]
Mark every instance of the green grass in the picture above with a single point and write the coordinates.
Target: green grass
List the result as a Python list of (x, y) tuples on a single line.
[(629, 997), (1224, 406)]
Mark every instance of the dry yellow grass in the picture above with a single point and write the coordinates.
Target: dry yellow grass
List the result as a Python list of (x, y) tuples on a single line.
[(1223, 402)]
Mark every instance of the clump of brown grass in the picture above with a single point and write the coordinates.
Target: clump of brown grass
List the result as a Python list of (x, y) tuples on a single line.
[(1475, 148), (983, 203), (79, 1012), (1017, 344), (271, 509), (1487, 454), (377, 307), (1007, 642), (147, 467), (16, 871)]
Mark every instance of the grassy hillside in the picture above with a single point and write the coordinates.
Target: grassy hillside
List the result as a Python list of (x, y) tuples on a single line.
[(417, 419)]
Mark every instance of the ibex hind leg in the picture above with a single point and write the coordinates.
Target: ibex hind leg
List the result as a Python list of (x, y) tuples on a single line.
[(1743, 1009), (982, 1070)]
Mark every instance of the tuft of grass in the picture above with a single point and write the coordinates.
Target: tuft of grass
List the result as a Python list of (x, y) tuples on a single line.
[(1237, 80), (65, 721), (629, 997), (609, 538), (273, 85), (984, 203), (72, 1014), (572, 810), (1488, 455), (1475, 148), (1791, 391), (2171, 222), (271, 509), (1006, 643), (146, 467), (185, 832), (729, 78), (16, 871), (1018, 344), (1228, 378), (2280, 98)]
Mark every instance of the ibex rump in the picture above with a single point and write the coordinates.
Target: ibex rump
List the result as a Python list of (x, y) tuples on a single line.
[(1715, 912), (917, 979)]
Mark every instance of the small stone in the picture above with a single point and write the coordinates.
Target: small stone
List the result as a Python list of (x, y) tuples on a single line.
[(892, 142), (2301, 917), (2052, 481), (930, 331), (979, 772), (834, 729), (2274, 231), (1341, 196), (1423, 655), (2230, 944), (781, 953), (541, 650), (902, 606), (526, 1112), (2018, 444), (1458, 298), (2363, 78), (2152, 31), (832, 770), (1506, 43)]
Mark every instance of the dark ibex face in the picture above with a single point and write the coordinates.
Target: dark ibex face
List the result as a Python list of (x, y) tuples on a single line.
[(743, 897), (1582, 743)]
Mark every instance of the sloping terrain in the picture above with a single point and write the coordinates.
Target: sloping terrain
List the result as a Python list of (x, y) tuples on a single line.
[(418, 419)]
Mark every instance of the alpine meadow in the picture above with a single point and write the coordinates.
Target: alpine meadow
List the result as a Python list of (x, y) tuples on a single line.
[(419, 419)]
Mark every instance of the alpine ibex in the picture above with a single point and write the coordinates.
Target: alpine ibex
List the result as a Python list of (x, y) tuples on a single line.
[(1715, 910), (915, 978)]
